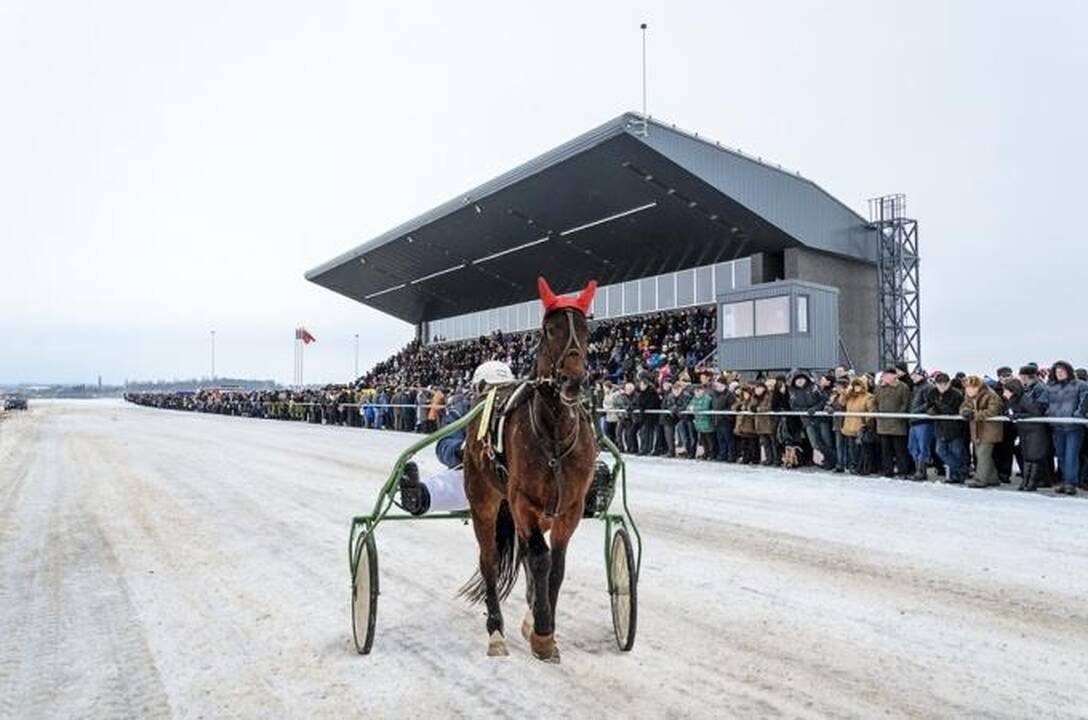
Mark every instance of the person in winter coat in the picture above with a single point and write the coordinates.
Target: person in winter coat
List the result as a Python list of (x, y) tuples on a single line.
[(1066, 398), (1035, 387), (1004, 451), (628, 430), (837, 404), (671, 396), (745, 427), (648, 403), (704, 424), (979, 404), (892, 396), (722, 400), (1023, 405), (807, 397), (920, 436), (951, 448), (766, 425), (858, 428), (615, 404)]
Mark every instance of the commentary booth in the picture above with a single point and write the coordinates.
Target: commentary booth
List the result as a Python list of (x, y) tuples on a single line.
[(662, 218)]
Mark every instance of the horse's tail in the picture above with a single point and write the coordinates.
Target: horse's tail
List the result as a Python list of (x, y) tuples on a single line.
[(509, 560)]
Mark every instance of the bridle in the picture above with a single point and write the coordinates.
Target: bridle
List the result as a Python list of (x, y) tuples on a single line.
[(572, 348), (555, 382)]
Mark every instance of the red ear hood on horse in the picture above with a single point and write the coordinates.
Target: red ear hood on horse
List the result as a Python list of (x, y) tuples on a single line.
[(551, 301)]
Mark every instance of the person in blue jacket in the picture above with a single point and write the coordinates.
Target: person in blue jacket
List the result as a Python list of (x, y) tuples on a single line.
[(445, 491), (1067, 397)]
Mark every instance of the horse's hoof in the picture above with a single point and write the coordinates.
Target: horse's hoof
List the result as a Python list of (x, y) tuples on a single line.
[(544, 648), (496, 645), (527, 626)]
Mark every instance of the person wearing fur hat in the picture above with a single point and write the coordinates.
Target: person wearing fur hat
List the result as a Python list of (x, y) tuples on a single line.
[(859, 429), (745, 427), (766, 425), (837, 404), (1066, 398), (893, 396), (980, 403), (947, 400)]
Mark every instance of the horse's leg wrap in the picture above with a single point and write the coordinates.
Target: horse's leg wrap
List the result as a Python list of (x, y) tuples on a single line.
[(494, 612), (539, 561), (555, 577)]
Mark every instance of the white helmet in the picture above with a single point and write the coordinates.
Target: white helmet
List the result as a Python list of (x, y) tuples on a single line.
[(492, 372)]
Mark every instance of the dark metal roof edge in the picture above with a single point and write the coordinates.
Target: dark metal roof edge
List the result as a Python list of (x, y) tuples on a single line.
[(793, 175), (620, 124), (541, 162)]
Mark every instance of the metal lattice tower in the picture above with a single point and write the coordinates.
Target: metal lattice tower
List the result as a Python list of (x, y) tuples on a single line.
[(899, 308)]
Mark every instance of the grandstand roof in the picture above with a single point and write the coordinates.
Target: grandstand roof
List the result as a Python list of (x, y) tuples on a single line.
[(614, 204)]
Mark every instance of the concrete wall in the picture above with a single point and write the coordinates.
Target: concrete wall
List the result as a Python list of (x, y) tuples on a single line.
[(858, 287)]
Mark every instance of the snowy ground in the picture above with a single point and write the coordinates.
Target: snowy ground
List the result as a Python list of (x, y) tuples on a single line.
[(155, 563)]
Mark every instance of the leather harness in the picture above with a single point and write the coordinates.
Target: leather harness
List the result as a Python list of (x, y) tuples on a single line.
[(542, 394)]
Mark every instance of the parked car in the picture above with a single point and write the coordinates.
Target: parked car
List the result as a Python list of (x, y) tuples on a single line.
[(15, 402)]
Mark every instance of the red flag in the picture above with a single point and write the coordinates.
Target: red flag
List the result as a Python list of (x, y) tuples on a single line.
[(304, 335)]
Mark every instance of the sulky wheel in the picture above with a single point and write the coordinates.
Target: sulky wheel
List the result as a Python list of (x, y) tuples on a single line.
[(364, 593), (624, 582)]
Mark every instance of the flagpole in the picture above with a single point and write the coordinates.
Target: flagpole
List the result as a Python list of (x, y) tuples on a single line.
[(294, 359)]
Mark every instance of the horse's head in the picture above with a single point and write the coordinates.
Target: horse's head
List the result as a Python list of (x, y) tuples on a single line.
[(562, 351)]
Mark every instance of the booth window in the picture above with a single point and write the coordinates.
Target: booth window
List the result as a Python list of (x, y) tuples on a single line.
[(736, 320), (773, 315), (802, 313)]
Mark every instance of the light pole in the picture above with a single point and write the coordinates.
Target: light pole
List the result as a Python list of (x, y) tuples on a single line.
[(643, 28), (213, 355), (353, 379)]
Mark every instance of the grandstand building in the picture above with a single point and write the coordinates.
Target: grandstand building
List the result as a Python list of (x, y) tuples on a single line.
[(663, 219)]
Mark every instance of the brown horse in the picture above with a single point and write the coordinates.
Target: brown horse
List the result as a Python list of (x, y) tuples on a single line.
[(539, 487)]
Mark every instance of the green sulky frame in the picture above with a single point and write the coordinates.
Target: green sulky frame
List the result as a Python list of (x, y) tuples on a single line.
[(363, 526)]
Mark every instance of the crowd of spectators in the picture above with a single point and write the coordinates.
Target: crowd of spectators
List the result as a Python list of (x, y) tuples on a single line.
[(899, 423), (656, 394)]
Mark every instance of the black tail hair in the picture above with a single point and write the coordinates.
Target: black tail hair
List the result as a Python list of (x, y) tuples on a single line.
[(510, 555)]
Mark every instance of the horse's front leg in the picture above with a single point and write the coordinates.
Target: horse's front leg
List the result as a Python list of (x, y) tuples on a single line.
[(483, 523), (560, 536), (542, 638)]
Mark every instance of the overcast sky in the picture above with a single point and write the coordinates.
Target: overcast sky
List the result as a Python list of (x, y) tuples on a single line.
[(169, 168)]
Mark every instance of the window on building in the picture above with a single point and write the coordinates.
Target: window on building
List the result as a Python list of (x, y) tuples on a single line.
[(523, 316), (736, 320), (630, 297), (802, 313), (615, 300), (723, 277), (600, 303), (648, 292), (704, 284), (773, 315), (666, 291), (685, 288), (742, 275)]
